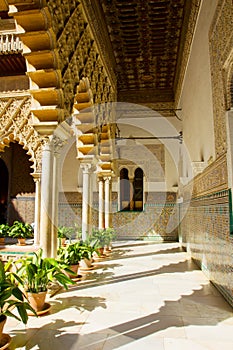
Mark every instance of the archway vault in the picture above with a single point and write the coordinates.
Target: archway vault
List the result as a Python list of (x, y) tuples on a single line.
[(94, 128)]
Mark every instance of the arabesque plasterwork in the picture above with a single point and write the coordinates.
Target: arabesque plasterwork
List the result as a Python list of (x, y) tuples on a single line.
[(15, 127), (221, 43)]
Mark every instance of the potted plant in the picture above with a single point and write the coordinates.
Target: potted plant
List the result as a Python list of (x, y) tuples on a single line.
[(11, 297), (21, 231), (88, 248), (37, 273), (103, 237), (71, 256), (4, 231), (64, 233)]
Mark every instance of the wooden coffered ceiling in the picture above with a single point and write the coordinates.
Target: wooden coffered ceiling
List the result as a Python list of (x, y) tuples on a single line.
[(147, 39)]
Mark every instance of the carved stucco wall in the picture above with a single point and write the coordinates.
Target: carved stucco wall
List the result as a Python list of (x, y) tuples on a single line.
[(15, 126), (78, 53), (221, 43)]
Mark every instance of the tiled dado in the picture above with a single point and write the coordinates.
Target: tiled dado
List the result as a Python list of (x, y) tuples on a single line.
[(156, 222), (205, 232)]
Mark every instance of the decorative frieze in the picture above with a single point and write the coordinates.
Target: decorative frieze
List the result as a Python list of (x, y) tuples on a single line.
[(213, 178)]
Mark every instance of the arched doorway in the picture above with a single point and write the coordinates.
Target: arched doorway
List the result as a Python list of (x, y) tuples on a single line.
[(4, 180), (124, 190), (18, 188), (138, 189)]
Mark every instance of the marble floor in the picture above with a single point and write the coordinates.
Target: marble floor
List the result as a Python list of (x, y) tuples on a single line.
[(142, 296)]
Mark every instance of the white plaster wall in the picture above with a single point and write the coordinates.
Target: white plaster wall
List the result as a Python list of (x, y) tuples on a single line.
[(69, 177), (196, 97)]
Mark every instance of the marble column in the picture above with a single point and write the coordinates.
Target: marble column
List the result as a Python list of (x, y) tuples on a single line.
[(57, 145), (131, 193), (46, 200), (37, 180), (107, 183), (86, 168), (101, 203)]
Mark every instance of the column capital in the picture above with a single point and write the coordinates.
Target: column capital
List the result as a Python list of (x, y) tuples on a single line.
[(87, 167), (58, 143), (36, 177), (107, 178)]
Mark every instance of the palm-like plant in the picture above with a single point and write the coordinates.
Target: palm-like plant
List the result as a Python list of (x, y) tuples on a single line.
[(21, 230), (4, 230), (11, 296), (37, 272), (103, 236), (65, 231), (71, 254)]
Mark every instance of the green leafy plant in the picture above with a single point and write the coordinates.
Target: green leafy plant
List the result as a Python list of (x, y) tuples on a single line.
[(37, 272), (11, 296), (71, 254), (21, 230), (4, 230), (103, 236), (65, 232), (88, 247)]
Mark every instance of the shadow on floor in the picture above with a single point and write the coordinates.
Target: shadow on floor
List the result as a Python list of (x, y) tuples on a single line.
[(53, 332), (122, 254), (207, 314), (110, 278)]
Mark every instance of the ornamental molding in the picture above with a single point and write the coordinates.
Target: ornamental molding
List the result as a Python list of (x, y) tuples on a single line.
[(186, 48), (213, 179)]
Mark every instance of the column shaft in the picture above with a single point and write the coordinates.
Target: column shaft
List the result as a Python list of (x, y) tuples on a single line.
[(37, 180), (107, 201), (85, 200), (101, 203), (46, 200)]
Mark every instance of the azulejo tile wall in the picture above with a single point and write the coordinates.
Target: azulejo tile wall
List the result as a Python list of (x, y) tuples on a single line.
[(206, 227), (158, 220), (154, 223)]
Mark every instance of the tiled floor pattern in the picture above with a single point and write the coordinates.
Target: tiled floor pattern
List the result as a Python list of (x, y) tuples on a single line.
[(142, 297)]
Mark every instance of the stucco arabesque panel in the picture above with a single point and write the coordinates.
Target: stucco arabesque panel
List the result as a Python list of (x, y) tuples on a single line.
[(213, 179), (15, 126), (79, 56), (221, 43)]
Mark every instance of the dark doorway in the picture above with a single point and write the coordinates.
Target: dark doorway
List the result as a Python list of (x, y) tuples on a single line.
[(4, 180)]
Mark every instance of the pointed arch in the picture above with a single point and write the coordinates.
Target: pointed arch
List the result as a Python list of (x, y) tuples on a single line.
[(124, 189), (138, 189)]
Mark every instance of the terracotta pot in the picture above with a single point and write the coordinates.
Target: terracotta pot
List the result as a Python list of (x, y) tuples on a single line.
[(37, 300), (74, 268), (63, 242), (2, 324), (2, 240), (101, 251), (85, 264), (21, 241)]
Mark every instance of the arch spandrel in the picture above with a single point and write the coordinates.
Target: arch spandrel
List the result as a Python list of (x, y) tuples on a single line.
[(15, 126)]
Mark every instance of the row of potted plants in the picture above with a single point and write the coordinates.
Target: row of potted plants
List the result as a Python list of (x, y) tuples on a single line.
[(24, 284), (24, 280), (19, 230)]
